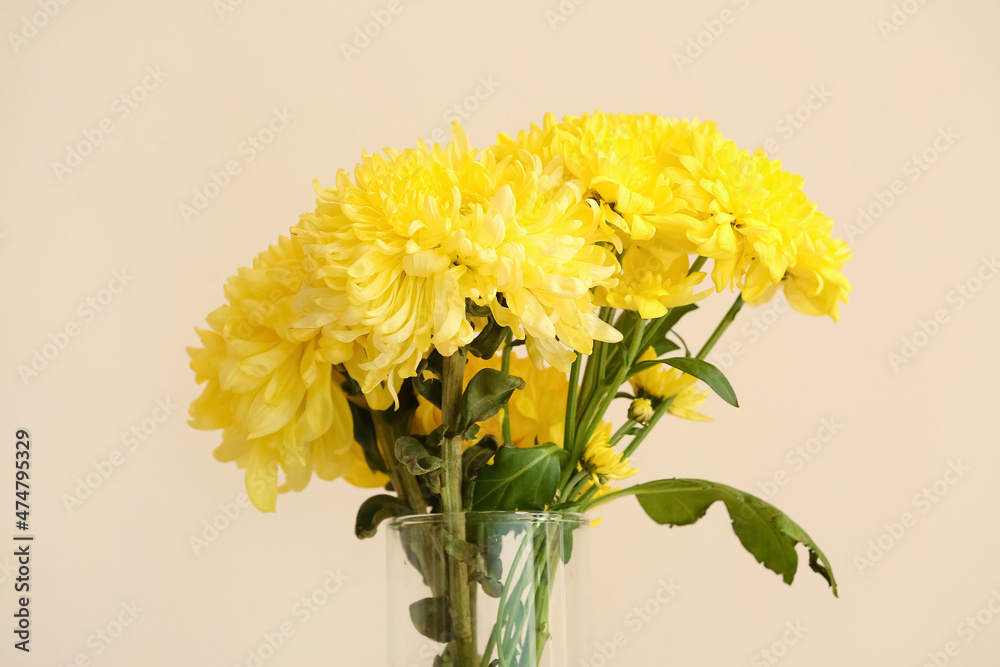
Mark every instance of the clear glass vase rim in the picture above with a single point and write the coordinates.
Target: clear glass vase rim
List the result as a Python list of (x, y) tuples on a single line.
[(493, 516)]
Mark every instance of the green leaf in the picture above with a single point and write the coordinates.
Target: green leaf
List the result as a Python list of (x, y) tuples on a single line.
[(429, 388), (664, 346), (644, 366), (431, 619), (763, 529), (488, 340), (488, 391), (673, 316), (374, 511), (657, 330), (412, 454), (519, 479), (708, 374), (477, 456), (472, 309), (473, 459), (364, 435)]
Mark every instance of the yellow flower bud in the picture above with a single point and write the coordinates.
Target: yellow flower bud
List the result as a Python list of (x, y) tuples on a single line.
[(641, 410)]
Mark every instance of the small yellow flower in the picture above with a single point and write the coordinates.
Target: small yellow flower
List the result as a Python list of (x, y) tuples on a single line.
[(653, 280), (601, 460), (662, 382)]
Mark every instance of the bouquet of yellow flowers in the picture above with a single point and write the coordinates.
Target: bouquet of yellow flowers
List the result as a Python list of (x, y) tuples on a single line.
[(377, 344)]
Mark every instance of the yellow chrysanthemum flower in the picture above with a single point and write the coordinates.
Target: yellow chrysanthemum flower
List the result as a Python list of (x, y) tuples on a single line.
[(653, 280), (662, 382), (602, 461), (814, 285), (537, 412), (611, 155), (747, 209), (274, 397), (397, 252)]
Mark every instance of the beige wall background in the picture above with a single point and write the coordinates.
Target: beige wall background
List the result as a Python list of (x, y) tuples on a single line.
[(888, 108)]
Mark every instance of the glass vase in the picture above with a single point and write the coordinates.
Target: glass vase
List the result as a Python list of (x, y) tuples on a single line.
[(509, 592)]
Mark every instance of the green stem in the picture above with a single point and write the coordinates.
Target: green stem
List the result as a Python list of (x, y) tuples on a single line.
[(589, 494), (697, 264), (727, 319), (451, 500), (660, 410), (569, 428), (505, 367), (609, 395), (405, 484), (571, 398), (620, 433)]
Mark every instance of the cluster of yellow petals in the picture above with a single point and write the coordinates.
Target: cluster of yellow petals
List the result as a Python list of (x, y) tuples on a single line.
[(602, 461), (653, 280), (599, 210), (396, 252), (662, 382), (269, 391), (537, 412), (679, 186)]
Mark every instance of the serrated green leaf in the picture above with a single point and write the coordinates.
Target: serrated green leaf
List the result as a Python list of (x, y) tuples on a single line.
[(412, 454), (374, 511), (487, 393), (708, 374), (764, 530), (519, 479)]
